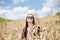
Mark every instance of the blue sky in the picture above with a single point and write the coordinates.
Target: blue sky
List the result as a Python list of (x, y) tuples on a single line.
[(33, 4), (18, 9)]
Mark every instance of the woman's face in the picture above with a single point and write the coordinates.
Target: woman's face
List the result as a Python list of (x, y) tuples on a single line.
[(29, 18)]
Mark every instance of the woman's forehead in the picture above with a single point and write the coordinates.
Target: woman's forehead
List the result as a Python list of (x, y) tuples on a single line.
[(30, 15)]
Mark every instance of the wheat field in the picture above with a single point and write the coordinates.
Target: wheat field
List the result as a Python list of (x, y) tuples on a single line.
[(51, 24)]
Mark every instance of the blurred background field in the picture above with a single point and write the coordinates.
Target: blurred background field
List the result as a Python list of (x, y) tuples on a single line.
[(51, 23)]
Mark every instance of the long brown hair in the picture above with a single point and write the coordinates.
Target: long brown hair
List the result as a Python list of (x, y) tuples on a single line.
[(24, 34)]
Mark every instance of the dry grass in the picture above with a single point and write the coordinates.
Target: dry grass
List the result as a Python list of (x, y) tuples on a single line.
[(51, 24)]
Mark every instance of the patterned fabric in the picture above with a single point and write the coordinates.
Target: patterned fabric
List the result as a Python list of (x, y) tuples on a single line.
[(33, 33)]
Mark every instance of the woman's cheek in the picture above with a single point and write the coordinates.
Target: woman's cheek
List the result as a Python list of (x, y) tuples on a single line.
[(29, 20)]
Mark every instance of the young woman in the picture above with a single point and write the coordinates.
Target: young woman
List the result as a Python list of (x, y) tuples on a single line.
[(31, 31)]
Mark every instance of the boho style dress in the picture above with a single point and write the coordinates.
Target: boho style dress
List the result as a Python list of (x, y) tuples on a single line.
[(33, 33)]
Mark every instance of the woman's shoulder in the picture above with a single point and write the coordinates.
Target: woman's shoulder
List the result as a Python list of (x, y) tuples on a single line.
[(36, 26)]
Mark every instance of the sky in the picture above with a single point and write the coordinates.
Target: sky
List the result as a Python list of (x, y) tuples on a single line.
[(18, 9)]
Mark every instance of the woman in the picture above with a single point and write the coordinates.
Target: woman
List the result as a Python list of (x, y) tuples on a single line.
[(31, 31)]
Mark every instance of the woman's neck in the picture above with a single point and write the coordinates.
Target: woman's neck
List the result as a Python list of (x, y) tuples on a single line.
[(30, 24)]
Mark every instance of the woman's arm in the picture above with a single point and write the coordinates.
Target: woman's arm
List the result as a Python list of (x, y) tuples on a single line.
[(22, 35)]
